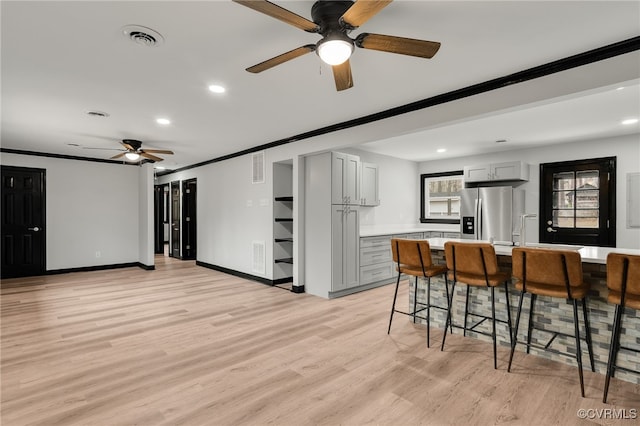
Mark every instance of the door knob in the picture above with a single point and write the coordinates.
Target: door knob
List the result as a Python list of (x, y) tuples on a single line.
[(35, 228), (550, 229)]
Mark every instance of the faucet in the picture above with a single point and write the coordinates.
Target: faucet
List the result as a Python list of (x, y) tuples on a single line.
[(522, 227)]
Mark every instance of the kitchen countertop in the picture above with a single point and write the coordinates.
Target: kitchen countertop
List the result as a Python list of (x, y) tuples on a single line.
[(372, 231), (588, 254)]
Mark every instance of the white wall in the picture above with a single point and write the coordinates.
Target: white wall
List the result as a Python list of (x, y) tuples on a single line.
[(625, 148), (145, 215), (90, 207)]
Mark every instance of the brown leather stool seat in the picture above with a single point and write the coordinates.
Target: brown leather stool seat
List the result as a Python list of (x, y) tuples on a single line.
[(476, 265), (551, 273), (413, 257), (623, 282)]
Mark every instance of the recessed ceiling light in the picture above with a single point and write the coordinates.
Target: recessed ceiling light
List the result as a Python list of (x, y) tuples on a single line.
[(629, 121), (163, 121), (620, 88), (441, 150), (215, 88)]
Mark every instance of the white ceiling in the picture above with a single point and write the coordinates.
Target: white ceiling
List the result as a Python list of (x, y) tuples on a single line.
[(62, 59)]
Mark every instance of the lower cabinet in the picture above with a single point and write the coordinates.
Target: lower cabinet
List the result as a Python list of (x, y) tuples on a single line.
[(376, 262)]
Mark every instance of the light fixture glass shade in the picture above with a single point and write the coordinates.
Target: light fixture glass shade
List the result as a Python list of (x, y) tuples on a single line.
[(334, 51), (133, 156)]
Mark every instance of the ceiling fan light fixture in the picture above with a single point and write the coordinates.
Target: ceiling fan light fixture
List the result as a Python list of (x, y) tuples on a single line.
[(132, 156), (334, 50)]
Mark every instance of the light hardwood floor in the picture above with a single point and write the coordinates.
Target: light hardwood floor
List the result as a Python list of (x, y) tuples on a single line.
[(188, 345)]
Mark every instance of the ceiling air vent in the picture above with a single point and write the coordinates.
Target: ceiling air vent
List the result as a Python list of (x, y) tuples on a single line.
[(98, 114), (142, 35)]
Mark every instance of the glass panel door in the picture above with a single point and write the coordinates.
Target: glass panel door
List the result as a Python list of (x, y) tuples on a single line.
[(577, 202)]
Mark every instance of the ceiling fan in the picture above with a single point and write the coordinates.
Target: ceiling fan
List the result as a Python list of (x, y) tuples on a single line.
[(133, 151), (334, 20)]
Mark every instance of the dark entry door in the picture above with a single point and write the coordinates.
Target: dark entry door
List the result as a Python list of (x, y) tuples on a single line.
[(175, 219), (189, 219), (23, 220), (158, 219), (577, 202)]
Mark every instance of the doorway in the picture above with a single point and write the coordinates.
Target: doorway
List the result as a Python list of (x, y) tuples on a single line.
[(23, 222), (161, 218), (174, 249), (577, 202), (189, 219)]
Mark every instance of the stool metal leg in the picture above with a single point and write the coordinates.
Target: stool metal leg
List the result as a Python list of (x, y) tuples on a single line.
[(448, 322), (578, 350), (415, 299), (493, 328), (515, 332), (509, 323), (393, 307), (466, 311), (449, 297), (530, 324), (613, 349), (428, 310), (587, 328)]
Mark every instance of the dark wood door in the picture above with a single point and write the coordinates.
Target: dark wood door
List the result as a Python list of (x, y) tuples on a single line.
[(23, 221), (175, 219), (158, 216), (189, 219), (577, 202)]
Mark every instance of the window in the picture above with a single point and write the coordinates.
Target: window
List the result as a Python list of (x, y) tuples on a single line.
[(440, 197)]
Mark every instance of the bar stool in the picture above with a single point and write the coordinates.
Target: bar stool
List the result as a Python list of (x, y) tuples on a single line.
[(552, 273), (476, 264), (623, 282), (413, 257)]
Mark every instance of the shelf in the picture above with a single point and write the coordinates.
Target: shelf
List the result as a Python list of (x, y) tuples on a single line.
[(284, 240), (285, 260), (284, 219), (284, 198)]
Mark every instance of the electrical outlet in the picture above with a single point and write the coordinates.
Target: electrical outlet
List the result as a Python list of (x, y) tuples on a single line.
[(98, 254)]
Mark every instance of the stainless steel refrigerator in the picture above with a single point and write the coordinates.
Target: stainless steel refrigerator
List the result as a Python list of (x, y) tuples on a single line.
[(491, 214)]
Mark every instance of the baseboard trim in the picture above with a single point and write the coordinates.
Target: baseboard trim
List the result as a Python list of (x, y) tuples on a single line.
[(256, 278), (297, 289), (101, 268)]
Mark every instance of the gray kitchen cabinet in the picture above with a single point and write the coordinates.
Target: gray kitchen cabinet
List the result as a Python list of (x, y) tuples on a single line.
[(510, 170), (433, 234), (345, 179), (376, 263), (369, 184), (345, 253), (331, 230), (451, 235)]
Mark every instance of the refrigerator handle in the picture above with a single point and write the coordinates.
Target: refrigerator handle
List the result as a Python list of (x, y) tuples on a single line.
[(480, 224), (476, 213)]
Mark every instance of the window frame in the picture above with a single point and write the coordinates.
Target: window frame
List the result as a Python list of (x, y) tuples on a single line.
[(423, 179)]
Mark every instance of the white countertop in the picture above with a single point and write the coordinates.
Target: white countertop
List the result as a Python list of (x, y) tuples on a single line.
[(375, 230), (588, 254)]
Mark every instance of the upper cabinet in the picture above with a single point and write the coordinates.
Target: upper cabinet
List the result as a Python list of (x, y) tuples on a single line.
[(345, 178), (369, 185), (511, 170)]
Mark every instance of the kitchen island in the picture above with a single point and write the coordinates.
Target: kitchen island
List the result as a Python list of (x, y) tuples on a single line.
[(549, 314)]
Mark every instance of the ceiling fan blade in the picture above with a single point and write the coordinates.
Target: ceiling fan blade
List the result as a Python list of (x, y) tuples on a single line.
[(127, 145), (280, 13), (342, 76), (150, 156), (362, 11), (292, 54), (401, 45), (158, 151), (118, 156)]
